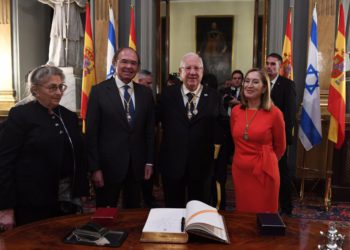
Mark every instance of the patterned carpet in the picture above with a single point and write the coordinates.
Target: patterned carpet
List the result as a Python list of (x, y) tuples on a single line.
[(337, 212)]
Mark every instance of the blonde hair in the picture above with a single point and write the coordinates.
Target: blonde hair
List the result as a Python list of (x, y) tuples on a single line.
[(266, 102)]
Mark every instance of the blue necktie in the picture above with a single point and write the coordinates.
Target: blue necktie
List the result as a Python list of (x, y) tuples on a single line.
[(128, 106)]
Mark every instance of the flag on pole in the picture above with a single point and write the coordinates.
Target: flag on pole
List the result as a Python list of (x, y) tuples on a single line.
[(310, 131), (132, 34), (111, 45), (287, 62), (89, 75), (337, 88)]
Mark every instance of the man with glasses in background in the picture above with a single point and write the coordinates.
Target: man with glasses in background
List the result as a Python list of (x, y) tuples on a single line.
[(120, 134), (189, 114)]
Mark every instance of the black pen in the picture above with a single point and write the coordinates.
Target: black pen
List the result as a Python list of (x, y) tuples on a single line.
[(182, 224)]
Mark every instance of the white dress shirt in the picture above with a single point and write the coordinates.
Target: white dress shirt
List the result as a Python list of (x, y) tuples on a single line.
[(273, 82), (197, 94), (120, 86)]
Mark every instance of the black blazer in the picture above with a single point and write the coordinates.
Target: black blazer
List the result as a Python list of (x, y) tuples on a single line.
[(187, 147), (283, 96), (112, 144), (227, 96), (32, 154)]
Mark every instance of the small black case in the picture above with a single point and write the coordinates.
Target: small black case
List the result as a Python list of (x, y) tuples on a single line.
[(270, 224)]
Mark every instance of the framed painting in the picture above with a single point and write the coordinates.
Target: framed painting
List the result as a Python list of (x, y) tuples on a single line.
[(214, 37)]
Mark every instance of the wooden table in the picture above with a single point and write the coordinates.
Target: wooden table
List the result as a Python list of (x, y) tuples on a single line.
[(48, 234)]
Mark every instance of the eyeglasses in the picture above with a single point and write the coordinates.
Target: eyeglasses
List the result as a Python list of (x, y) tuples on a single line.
[(54, 87), (189, 68), (125, 62)]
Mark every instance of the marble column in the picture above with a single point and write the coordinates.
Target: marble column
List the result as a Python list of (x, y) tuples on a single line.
[(7, 92)]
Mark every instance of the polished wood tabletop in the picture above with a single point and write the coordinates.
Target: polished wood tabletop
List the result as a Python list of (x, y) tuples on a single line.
[(242, 228)]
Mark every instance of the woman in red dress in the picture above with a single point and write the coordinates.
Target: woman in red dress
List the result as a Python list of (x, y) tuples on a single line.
[(258, 132)]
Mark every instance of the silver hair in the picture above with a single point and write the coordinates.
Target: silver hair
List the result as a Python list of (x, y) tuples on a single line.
[(41, 74), (190, 54)]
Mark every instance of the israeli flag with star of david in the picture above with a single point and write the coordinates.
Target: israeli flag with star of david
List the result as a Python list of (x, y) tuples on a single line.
[(310, 130), (111, 45)]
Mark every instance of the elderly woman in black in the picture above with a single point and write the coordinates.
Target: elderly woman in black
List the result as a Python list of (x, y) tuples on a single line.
[(40, 155)]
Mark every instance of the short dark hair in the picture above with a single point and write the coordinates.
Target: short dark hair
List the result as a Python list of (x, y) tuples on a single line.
[(276, 55), (145, 72), (237, 71), (210, 80), (116, 55), (173, 79)]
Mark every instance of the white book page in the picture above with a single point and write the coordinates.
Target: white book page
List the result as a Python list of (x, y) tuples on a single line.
[(218, 232), (199, 212), (164, 220)]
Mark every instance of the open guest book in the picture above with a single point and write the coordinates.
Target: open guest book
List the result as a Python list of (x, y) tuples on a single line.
[(172, 225)]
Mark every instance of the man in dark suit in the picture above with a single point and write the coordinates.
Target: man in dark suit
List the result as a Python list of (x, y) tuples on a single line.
[(231, 97), (231, 93), (120, 133), (189, 115), (283, 95)]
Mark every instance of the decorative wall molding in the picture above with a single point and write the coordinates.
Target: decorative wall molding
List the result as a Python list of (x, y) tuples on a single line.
[(6, 82), (5, 11)]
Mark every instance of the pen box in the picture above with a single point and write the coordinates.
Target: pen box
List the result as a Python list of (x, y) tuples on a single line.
[(105, 216), (270, 224)]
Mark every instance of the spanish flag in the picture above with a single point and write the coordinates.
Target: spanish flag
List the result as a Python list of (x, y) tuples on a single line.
[(336, 97), (89, 75), (287, 62), (132, 34)]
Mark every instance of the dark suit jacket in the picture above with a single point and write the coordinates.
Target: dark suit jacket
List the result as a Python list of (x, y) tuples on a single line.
[(32, 155), (112, 144), (283, 95), (188, 146), (227, 96)]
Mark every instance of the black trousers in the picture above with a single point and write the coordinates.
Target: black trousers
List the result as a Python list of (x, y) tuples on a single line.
[(147, 191), (285, 195), (108, 195), (178, 192)]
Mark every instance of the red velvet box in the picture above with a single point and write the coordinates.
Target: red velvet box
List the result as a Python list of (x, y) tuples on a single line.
[(105, 216)]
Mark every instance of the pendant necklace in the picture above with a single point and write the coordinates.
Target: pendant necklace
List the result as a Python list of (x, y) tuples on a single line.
[(247, 123), (194, 111), (127, 105), (193, 101)]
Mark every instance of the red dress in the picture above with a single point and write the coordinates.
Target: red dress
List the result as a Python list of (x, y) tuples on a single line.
[(255, 162)]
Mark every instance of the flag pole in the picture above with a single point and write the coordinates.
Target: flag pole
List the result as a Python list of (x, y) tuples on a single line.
[(302, 184), (329, 173), (310, 127), (89, 74)]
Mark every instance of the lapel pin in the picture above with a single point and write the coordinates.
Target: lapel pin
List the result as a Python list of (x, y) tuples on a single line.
[(205, 94)]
